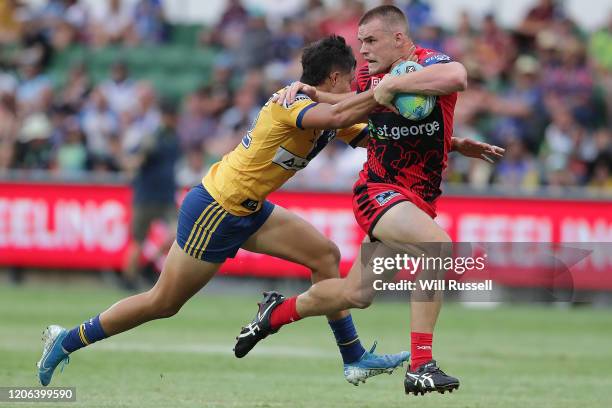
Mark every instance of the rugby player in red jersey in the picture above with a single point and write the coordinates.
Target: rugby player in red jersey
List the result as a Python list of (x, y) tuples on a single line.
[(395, 197)]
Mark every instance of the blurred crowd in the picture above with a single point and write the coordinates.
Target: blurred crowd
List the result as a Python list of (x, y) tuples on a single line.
[(542, 90)]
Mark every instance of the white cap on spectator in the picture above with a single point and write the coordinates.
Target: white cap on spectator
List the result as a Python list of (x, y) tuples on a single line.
[(35, 127), (547, 40), (526, 64)]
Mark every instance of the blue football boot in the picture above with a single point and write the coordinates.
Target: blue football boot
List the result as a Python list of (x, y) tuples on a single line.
[(371, 364), (53, 353)]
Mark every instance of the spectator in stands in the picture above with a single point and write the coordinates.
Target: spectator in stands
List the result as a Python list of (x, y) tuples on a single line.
[(71, 156), (154, 183), (9, 128), (34, 91), (149, 22), (560, 138), (60, 116), (68, 24), (144, 117), (234, 13), (112, 24), (312, 14), (494, 49), (197, 124), (518, 110), (192, 167), (597, 151), (35, 48), (255, 46), (288, 40), (230, 28), (34, 151), (418, 13), (75, 90), (601, 181), (600, 53), (571, 83), (223, 70), (461, 44), (100, 124), (120, 89), (343, 21), (539, 18), (235, 122), (430, 35), (10, 26), (517, 170)]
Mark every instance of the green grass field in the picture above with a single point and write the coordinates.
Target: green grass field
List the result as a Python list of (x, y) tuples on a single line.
[(506, 357)]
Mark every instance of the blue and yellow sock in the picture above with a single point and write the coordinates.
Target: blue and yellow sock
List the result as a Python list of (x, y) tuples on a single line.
[(347, 339), (83, 335)]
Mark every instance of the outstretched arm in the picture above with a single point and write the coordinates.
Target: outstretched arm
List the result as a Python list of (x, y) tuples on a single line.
[(478, 150), (348, 112)]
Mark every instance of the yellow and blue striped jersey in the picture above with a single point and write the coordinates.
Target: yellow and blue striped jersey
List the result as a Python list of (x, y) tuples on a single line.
[(271, 152)]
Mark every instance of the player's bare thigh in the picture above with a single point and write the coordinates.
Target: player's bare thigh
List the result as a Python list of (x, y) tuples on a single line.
[(405, 223), (285, 235)]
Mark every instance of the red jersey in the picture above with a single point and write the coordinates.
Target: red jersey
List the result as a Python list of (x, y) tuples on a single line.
[(406, 153)]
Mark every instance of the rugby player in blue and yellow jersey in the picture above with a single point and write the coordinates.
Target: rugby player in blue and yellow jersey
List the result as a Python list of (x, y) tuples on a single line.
[(229, 211)]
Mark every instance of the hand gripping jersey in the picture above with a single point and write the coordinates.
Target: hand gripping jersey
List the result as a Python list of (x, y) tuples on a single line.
[(271, 152), (405, 153)]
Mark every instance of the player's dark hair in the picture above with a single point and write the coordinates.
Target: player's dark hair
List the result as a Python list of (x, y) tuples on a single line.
[(320, 58), (391, 15)]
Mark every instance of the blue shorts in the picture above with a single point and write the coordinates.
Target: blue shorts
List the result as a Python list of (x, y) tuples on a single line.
[(206, 231)]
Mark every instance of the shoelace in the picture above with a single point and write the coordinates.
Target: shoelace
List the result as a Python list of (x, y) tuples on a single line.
[(64, 363), (373, 347), (437, 370)]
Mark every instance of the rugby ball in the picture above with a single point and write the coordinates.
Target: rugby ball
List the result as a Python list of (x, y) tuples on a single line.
[(411, 106)]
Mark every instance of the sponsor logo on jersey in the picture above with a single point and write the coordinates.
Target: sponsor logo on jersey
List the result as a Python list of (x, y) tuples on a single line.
[(386, 196), (288, 160), (397, 132)]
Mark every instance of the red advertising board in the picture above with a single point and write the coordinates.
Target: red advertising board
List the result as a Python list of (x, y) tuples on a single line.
[(88, 226), (64, 225)]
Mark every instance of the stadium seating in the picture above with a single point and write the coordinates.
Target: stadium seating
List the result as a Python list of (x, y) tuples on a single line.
[(174, 68)]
